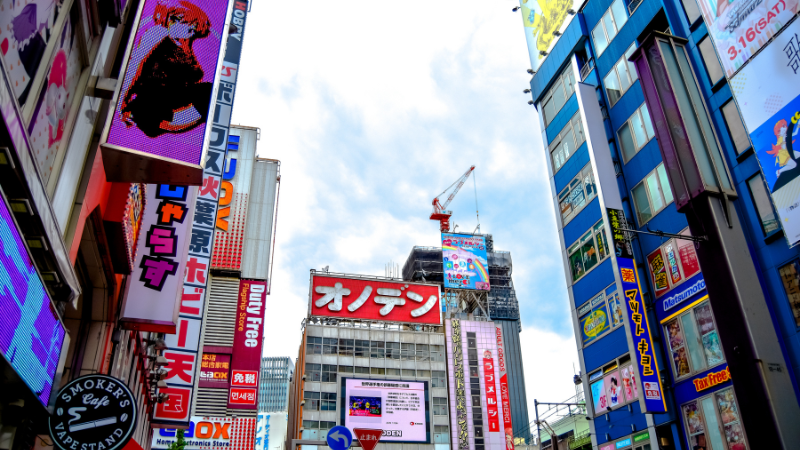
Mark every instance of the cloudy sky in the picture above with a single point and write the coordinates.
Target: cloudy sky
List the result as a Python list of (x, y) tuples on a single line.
[(373, 109)]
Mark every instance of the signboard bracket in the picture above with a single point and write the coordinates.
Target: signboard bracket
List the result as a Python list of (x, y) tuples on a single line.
[(664, 234)]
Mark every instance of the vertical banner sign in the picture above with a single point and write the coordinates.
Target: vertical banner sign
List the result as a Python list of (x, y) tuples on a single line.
[(457, 388), (157, 128), (644, 355), (185, 343), (491, 394), (770, 108), (247, 339), (505, 398), (233, 204), (132, 219), (465, 262), (153, 288)]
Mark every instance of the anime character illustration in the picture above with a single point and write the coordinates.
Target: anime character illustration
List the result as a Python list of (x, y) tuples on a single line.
[(56, 100), (167, 94), (613, 391), (509, 441), (783, 159), (543, 18)]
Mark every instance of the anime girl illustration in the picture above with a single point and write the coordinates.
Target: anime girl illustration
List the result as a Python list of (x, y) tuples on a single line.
[(783, 159), (613, 391), (167, 94)]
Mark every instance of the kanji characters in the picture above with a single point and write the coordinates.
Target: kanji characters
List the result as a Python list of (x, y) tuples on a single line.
[(210, 186), (204, 213), (179, 365), (200, 241)]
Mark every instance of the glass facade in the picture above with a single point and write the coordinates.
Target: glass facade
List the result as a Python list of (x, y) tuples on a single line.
[(274, 381)]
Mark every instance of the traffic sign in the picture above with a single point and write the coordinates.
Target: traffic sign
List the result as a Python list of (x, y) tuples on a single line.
[(339, 438), (368, 438)]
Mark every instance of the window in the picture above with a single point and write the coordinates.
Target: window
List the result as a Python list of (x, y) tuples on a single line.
[(409, 373), (605, 31), (567, 141), (578, 193), (329, 346), (692, 11), (766, 214), (439, 406), (558, 95), (362, 348), (588, 251), (377, 349), (437, 353), (600, 314), (422, 352), (378, 371), (693, 341), (707, 417), (328, 373), (672, 263), (620, 77), (441, 434), (346, 347), (312, 401), (635, 133), (313, 372), (323, 425), (438, 379), (363, 370), (346, 369), (735, 127), (423, 373), (314, 346), (407, 352), (710, 59), (790, 275), (328, 401), (613, 386), (395, 372), (651, 195), (393, 350)]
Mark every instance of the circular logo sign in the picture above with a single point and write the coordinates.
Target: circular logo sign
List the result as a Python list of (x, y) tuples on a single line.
[(93, 412)]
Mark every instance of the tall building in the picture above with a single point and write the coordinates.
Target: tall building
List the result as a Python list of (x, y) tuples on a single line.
[(273, 390), (641, 132), (425, 264)]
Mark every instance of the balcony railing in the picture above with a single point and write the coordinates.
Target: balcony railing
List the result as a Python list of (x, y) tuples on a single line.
[(587, 68)]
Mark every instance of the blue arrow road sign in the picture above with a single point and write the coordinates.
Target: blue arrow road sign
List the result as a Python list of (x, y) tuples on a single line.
[(339, 438)]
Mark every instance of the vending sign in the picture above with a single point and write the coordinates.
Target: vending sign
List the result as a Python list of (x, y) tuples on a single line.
[(247, 340), (374, 299), (465, 262)]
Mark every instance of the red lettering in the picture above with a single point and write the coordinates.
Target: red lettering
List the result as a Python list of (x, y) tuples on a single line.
[(221, 430), (770, 16), (204, 430), (240, 6)]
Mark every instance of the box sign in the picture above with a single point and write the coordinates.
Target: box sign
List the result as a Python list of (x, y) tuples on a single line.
[(247, 340), (769, 106), (399, 408), (157, 128), (132, 220), (465, 262), (211, 433), (672, 263), (370, 299), (215, 370), (31, 333)]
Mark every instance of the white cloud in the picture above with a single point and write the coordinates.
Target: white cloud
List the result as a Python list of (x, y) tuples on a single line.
[(550, 361)]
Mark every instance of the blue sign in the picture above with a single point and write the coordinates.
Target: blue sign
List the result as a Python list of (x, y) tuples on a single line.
[(339, 438), (624, 443), (674, 300)]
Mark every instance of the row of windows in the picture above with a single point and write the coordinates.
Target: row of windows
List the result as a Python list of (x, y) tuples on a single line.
[(558, 94), (693, 341), (588, 251), (620, 77), (600, 315), (635, 133), (374, 349), (319, 401), (568, 140), (608, 27), (651, 195), (577, 194), (326, 373)]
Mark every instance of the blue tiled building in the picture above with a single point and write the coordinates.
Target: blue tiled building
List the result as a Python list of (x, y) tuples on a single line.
[(601, 150)]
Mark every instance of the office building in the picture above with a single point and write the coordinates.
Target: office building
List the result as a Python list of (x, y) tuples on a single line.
[(273, 388)]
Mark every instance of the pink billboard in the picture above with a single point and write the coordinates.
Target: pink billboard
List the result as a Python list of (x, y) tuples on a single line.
[(158, 127), (247, 339)]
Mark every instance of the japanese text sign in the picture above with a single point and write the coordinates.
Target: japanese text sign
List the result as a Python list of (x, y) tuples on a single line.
[(214, 370), (457, 387), (153, 290), (491, 395), (505, 398), (210, 433), (618, 223), (247, 341), (465, 262), (370, 299), (157, 128)]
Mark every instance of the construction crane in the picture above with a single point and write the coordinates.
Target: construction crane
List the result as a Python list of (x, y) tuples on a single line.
[(439, 211)]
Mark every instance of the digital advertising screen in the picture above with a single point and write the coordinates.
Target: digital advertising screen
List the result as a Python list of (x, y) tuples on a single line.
[(399, 408), (465, 262)]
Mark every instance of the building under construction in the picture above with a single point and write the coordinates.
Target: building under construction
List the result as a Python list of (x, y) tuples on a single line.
[(499, 305)]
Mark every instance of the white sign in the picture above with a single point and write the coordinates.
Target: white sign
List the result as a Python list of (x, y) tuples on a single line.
[(396, 407), (271, 430)]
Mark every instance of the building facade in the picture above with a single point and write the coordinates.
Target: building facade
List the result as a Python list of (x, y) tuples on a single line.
[(603, 151), (273, 389)]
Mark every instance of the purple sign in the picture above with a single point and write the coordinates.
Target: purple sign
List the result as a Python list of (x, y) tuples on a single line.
[(165, 96), (31, 335)]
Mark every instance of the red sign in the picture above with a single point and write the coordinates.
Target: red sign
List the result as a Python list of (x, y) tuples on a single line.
[(368, 438), (491, 394), (362, 298), (246, 358), (214, 370), (505, 398)]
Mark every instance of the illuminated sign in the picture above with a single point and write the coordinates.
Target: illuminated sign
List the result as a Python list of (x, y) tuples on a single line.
[(214, 370), (465, 262), (31, 333), (505, 397), (370, 299), (234, 202), (489, 380), (246, 358), (674, 300), (712, 379), (399, 408), (211, 433), (459, 419), (646, 363), (157, 127), (132, 219)]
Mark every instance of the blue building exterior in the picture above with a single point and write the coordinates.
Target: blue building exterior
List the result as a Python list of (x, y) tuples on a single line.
[(601, 152)]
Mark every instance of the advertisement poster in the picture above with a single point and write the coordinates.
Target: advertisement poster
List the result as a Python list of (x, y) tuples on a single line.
[(247, 342), (739, 28), (542, 19), (658, 272), (768, 106), (396, 407), (465, 262), (594, 318), (215, 370)]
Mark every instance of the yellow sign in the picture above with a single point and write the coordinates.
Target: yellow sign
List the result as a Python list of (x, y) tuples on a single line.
[(712, 379)]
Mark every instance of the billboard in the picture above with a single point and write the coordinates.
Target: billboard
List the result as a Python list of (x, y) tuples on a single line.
[(371, 299), (505, 397), (157, 127), (247, 340), (541, 20), (153, 288), (739, 28), (31, 333), (768, 106), (271, 430), (214, 370), (399, 408), (211, 433), (465, 263)]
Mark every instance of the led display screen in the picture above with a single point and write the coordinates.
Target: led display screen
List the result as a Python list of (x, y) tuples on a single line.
[(399, 408), (31, 334), (465, 262)]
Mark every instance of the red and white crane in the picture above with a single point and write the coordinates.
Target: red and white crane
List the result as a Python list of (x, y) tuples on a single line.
[(439, 212)]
